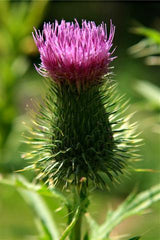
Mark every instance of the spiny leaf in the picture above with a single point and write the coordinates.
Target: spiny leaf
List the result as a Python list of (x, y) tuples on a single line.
[(94, 227), (30, 194), (20, 182), (134, 204), (42, 213)]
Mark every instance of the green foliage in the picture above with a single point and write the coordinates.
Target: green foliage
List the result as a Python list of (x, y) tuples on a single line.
[(32, 194), (150, 92), (135, 204), (20, 182), (149, 46), (150, 33), (47, 228), (16, 24), (94, 227)]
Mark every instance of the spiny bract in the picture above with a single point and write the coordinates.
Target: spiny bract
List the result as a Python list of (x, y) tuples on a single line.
[(76, 136)]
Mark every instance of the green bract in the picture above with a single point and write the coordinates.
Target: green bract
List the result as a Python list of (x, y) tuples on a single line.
[(81, 136)]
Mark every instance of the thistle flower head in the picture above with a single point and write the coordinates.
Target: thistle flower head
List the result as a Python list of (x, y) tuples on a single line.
[(84, 135), (74, 54)]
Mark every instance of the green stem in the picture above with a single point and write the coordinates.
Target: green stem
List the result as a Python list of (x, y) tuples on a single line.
[(71, 225), (76, 233), (81, 201)]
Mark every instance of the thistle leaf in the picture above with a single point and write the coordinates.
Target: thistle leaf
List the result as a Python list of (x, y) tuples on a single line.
[(31, 194), (20, 182), (94, 227), (133, 205), (49, 229)]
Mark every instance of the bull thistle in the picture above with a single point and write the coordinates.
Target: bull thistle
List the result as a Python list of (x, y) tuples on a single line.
[(80, 133), (80, 137)]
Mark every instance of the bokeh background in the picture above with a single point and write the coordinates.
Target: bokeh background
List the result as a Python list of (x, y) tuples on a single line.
[(137, 71)]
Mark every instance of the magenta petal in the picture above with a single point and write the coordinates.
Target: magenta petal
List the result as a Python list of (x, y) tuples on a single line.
[(74, 54)]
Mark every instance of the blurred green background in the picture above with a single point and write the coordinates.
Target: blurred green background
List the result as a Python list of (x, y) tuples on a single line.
[(137, 70)]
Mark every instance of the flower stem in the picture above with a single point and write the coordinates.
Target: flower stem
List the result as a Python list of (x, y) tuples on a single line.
[(76, 234), (81, 200)]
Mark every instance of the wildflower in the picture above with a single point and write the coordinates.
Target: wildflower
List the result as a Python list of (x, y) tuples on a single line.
[(79, 134), (73, 54)]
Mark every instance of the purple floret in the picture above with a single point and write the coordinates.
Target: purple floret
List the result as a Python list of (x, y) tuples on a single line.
[(73, 54)]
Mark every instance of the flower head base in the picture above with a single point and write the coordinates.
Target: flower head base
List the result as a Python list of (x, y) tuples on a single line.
[(73, 54)]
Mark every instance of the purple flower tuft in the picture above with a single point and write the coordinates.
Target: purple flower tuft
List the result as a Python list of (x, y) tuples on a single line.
[(74, 54)]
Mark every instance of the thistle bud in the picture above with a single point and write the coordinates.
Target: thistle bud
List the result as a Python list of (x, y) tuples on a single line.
[(79, 132)]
